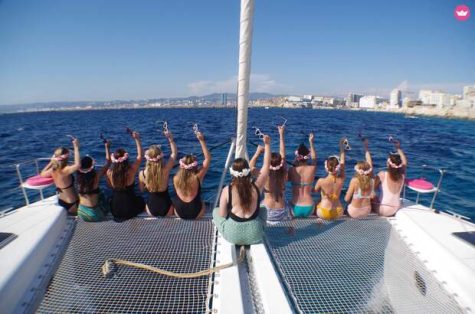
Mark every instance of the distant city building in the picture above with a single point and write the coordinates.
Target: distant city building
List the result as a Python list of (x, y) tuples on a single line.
[(353, 100), (395, 99), (307, 97), (468, 91), (224, 99), (436, 98), (294, 99), (370, 102)]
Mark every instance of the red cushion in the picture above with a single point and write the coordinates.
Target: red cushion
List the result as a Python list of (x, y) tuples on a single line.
[(39, 180), (420, 184)]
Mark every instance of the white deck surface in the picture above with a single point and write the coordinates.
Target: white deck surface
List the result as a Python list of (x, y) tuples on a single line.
[(451, 260), (38, 228)]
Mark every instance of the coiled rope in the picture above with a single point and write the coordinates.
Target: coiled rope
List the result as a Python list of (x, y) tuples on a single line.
[(110, 267)]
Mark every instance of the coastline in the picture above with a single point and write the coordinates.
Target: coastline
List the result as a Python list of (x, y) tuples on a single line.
[(444, 113)]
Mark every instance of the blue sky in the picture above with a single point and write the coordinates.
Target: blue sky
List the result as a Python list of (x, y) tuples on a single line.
[(104, 50)]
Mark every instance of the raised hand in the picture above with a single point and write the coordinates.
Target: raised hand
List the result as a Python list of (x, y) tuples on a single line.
[(200, 136)]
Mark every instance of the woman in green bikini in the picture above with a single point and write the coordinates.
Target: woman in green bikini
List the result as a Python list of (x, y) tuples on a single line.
[(301, 176)]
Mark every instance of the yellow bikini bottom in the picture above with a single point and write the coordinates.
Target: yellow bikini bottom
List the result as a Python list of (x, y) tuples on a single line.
[(330, 213)]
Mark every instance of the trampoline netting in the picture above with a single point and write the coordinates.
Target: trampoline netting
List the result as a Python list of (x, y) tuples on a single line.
[(174, 245), (352, 265)]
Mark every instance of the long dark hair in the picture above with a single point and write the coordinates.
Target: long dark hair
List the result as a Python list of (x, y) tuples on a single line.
[(120, 170), (85, 181), (395, 173), (276, 177), (242, 184)]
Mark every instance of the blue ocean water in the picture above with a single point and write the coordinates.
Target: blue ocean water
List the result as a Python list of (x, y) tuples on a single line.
[(432, 141)]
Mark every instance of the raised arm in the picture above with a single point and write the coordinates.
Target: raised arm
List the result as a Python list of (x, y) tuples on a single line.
[(173, 148), (77, 159), (206, 155), (281, 141), (253, 161), (397, 144), (313, 152), (107, 146), (342, 157), (367, 153), (135, 166), (261, 180)]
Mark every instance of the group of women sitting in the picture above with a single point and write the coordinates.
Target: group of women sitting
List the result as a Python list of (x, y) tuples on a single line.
[(241, 213), (237, 217), (86, 200)]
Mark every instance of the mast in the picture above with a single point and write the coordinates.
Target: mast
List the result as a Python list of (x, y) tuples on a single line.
[(245, 45)]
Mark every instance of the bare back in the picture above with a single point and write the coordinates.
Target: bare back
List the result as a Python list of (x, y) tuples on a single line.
[(301, 178)]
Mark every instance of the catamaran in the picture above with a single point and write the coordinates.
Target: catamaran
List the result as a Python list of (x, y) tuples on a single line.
[(420, 260)]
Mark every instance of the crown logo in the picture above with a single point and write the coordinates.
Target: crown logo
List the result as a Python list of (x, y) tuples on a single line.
[(461, 13)]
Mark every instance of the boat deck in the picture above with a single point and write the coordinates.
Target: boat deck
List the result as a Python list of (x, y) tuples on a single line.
[(174, 245), (365, 265)]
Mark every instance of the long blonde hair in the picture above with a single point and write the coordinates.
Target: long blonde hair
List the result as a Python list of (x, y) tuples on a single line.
[(364, 179), (185, 177), (62, 162), (153, 168)]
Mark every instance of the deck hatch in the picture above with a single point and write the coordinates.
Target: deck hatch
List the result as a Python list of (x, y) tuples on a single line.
[(6, 238), (351, 265), (171, 244)]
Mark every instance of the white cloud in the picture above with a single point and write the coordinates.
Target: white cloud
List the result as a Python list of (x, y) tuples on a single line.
[(259, 83)]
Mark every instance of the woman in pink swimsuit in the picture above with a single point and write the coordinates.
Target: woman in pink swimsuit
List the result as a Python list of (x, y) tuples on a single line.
[(392, 182)]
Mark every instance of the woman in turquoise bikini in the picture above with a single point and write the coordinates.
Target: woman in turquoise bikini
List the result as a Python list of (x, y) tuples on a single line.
[(239, 217), (301, 176), (92, 203)]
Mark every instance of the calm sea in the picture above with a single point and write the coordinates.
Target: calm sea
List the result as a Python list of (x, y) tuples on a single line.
[(426, 141)]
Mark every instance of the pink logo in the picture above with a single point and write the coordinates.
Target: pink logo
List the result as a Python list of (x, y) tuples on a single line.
[(462, 12)]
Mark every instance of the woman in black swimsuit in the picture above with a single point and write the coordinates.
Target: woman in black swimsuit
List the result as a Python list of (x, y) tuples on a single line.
[(92, 203), (187, 183), (239, 217), (154, 178), (62, 175), (121, 176)]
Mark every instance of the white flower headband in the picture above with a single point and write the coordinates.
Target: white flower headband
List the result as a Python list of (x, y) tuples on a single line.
[(189, 166), (243, 173), (363, 172), (393, 165), (337, 168), (90, 168), (120, 159), (301, 157), (278, 167), (61, 157), (154, 159)]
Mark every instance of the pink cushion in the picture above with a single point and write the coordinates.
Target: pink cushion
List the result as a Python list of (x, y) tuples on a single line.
[(420, 184), (39, 180)]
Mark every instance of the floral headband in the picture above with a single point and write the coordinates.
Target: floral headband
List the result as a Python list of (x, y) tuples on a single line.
[(189, 166), (278, 167), (119, 159), (154, 159), (61, 157), (393, 165), (301, 157), (243, 173), (90, 168), (363, 172)]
